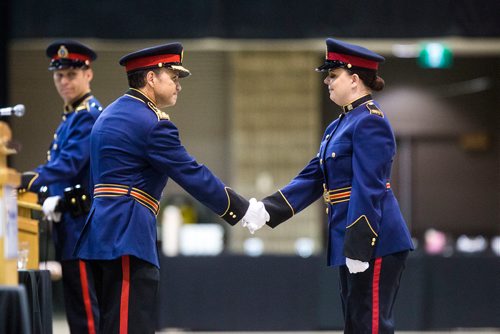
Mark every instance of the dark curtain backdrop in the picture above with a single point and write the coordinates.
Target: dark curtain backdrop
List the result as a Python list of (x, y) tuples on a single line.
[(254, 18)]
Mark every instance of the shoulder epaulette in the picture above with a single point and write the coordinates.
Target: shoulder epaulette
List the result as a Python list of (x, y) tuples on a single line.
[(160, 114), (92, 104), (374, 110), (164, 115)]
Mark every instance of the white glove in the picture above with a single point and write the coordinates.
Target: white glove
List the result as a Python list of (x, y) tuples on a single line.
[(256, 216), (54, 268), (356, 266), (49, 206)]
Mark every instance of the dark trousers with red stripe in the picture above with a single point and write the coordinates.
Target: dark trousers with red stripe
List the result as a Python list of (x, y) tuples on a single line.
[(368, 297), (126, 292), (80, 299)]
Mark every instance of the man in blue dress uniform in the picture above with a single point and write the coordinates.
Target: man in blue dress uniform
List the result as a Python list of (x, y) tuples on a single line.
[(367, 235), (135, 148), (65, 177)]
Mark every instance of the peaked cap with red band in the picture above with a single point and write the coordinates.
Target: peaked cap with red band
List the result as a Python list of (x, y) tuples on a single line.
[(167, 55), (69, 54), (342, 54)]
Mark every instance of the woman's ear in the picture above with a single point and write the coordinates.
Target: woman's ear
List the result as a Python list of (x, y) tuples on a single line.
[(355, 79)]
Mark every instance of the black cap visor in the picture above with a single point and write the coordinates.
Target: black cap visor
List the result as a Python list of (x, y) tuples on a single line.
[(64, 63), (329, 64), (181, 70)]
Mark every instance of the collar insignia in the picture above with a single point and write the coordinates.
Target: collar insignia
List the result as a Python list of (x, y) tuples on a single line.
[(356, 103)]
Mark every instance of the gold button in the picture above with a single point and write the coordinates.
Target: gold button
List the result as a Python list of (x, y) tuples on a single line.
[(328, 135), (54, 147), (234, 216), (333, 154), (55, 135), (326, 210), (320, 161), (231, 213), (84, 197), (64, 118), (73, 200)]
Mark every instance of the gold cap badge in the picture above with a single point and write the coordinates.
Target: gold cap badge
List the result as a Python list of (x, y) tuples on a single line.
[(62, 52)]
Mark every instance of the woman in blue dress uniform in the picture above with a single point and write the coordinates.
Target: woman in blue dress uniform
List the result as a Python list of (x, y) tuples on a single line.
[(367, 235)]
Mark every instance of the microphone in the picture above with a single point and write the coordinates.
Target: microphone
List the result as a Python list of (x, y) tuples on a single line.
[(17, 110)]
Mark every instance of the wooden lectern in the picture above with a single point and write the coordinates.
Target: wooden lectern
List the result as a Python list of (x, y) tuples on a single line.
[(14, 215), (9, 181), (27, 227)]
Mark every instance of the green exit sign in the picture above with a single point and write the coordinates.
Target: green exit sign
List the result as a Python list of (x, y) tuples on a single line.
[(435, 55)]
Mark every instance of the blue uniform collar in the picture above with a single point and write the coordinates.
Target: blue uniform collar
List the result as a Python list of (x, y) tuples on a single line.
[(135, 93), (138, 95), (356, 103), (69, 108)]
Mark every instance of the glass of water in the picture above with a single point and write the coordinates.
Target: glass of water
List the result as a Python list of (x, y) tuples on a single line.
[(22, 255)]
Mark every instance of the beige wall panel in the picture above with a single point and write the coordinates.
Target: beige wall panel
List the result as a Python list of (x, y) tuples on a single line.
[(275, 121)]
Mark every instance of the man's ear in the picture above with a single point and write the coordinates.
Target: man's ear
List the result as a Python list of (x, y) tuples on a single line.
[(89, 74), (150, 78)]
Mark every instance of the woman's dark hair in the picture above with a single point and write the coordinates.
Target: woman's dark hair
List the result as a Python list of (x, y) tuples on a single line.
[(369, 78), (137, 79)]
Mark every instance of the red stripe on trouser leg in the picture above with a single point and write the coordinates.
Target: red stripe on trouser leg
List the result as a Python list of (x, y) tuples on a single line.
[(86, 297), (375, 294), (125, 294)]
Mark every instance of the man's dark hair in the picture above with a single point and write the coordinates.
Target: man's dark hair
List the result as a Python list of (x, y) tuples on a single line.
[(137, 79)]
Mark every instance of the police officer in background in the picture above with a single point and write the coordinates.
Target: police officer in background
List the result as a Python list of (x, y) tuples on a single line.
[(368, 237), (135, 148), (65, 177)]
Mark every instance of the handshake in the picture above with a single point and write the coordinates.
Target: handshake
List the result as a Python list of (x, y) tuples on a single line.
[(256, 216)]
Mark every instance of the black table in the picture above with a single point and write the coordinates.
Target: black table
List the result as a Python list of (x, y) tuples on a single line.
[(14, 310), (39, 292)]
